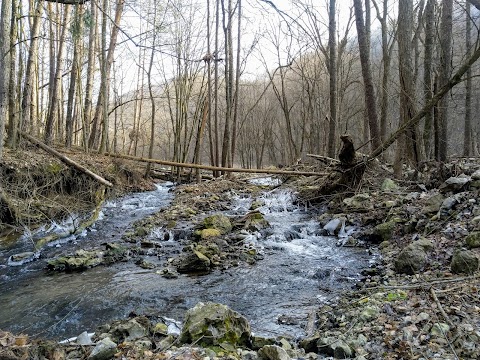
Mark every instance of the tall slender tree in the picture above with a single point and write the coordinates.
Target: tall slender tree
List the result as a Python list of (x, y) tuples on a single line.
[(467, 138), (5, 58), (332, 69), (370, 97), (444, 75)]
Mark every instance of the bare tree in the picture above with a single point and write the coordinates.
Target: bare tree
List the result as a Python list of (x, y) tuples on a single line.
[(467, 138), (56, 85), (5, 58), (332, 69), (444, 75), (427, 74), (370, 98)]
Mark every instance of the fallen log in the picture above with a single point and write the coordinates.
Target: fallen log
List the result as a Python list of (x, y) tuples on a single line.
[(66, 160), (217, 168)]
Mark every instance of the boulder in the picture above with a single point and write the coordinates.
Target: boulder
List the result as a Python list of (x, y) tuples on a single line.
[(413, 258), (476, 175), (464, 262), (473, 239), (209, 324), (389, 185), (359, 202), (455, 183), (273, 352), (104, 350), (192, 262), (385, 230), (336, 347), (433, 204), (219, 221)]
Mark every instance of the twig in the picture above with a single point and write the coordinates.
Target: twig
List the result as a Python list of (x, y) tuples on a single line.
[(440, 307)]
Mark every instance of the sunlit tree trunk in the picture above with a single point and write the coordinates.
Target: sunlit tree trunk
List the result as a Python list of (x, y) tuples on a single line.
[(150, 92)]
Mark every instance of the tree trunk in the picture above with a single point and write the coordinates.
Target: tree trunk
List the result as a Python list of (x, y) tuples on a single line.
[(407, 150), (444, 74), (237, 86), (92, 36), (467, 138), (427, 74), (370, 99), (5, 58), (332, 70), (13, 104), (76, 30), (56, 86)]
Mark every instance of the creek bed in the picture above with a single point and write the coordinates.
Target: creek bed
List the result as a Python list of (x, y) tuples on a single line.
[(300, 270)]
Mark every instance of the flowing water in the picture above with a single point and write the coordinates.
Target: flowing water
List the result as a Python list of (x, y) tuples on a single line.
[(300, 270)]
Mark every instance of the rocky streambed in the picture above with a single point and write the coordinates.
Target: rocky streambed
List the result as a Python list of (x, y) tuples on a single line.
[(420, 300)]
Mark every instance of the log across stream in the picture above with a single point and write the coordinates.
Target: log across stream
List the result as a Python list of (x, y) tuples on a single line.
[(300, 270)]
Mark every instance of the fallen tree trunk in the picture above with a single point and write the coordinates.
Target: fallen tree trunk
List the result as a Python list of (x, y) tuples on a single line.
[(66, 160), (454, 80), (217, 168)]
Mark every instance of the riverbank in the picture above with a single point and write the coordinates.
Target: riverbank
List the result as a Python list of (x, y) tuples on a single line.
[(420, 301)]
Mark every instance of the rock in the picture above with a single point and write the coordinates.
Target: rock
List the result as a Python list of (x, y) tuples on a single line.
[(104, 350), (440, 329), (213, 324), (309, 344), (23, 258), (192, 262), (84, 339), (141, 231), (476, 175), (130, 331), (385, 230), (369, 313), (433, 204), (464, 262), (338, 348), (389, 185), (273, 352), (259, 341), (359, 202), (333, 226), (473, 239), (209, 233), (220, 222), (455, 183), (448, 203), (413, 257)]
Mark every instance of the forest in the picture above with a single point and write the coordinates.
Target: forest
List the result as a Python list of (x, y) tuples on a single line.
[(247, 83)]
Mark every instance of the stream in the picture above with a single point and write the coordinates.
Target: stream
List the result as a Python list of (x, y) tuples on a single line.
[(300, 270)]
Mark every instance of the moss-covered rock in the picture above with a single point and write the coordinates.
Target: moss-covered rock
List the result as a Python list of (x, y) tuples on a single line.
[(385, 230), (219, 222), (413, 258), (473, 239), (464, 262), (212, 324)]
